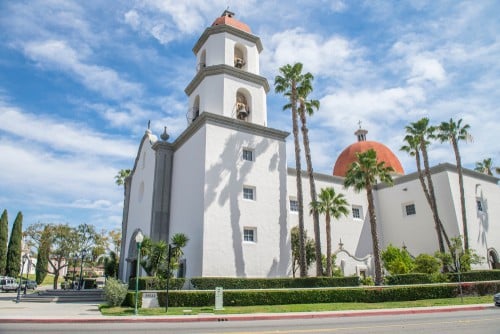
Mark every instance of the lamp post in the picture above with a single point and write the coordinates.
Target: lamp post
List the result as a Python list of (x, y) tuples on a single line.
[(25, 257), (80, 283), (168, 274), (138, 239), (27, 273), (75, 259)]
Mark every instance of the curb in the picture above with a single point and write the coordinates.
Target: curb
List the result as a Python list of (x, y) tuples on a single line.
[(247, 317)]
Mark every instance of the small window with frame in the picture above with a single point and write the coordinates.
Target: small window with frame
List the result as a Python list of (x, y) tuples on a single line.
[(357, 212), (250, 234), (249, 193), (409, 209), (294, 205), (479, 205), (248, 154)]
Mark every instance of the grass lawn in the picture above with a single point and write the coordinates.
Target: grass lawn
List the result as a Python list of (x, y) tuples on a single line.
[(119, 311)]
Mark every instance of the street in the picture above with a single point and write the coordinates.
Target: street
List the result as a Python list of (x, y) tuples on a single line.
[(464, 322)]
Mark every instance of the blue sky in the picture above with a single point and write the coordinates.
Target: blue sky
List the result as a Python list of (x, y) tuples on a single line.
[(79, 81)]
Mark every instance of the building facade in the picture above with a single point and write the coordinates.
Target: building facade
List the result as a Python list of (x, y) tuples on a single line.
[(224, 182)]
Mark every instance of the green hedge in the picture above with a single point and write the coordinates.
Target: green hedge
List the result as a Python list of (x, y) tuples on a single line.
[(418, 278), (313, 296), (155, 283), (210, 283), (130, 299), (475, 276)]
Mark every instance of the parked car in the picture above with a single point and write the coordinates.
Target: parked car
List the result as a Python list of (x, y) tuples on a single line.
[(8, 283), (29, 284), (496, 298)]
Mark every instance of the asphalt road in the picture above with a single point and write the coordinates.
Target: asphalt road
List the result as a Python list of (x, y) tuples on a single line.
[(464, 322)]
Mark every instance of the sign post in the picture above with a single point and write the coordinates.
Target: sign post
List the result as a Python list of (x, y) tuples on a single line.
[(219, 304)]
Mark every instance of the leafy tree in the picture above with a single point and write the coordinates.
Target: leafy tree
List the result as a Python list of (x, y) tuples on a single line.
[(484, 166), (64, 242), (454, 132), (332, 205), (307, 107), (14, 250), (121, 176), (42, 261), (153, 255), (466, 258), (397, 261), (426, 264), (310, 250), (287, 83), (4, 239), (364, 174), (111, 263), (418, 135)]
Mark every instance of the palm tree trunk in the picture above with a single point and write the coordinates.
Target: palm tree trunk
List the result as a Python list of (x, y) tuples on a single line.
[(328, 245), (312, 188), (432, 196), (374, 233), (300, 200), (462, 193)]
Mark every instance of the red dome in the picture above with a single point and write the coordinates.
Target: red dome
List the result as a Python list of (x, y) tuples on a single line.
[(227, 19), (348, 156)]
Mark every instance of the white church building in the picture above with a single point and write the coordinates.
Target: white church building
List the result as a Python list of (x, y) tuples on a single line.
[(225, 184)]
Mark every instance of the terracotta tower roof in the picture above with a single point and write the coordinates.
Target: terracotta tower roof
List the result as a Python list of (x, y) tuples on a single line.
[(227, 19)]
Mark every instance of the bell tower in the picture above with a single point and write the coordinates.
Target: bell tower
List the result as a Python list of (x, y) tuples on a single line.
[(227, 80)]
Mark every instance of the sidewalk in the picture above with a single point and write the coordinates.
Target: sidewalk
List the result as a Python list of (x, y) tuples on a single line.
[(33, 312)]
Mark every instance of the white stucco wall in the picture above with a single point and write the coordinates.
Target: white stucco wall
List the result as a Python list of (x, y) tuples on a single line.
[(141, 194), (354, 233), (227, 213), (187, 206)]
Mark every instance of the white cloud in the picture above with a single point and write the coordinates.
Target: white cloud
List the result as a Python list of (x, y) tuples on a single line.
[(57, 54), (426, 69)]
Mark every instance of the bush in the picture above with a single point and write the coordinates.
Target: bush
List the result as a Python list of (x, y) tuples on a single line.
[(416, 278), (208, 283), (115, 292), (397, 261), (156, 283), (427, 264), (475, 275)]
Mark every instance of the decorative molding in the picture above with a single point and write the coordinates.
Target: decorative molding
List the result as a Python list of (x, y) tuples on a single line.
[(223, 28), (229, 70)]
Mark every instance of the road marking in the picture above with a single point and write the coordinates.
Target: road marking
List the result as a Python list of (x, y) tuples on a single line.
[(331, 330)]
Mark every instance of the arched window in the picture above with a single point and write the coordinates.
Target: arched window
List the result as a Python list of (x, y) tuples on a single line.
[(240, 56), (195, 112), (242, 104), (493, 259)]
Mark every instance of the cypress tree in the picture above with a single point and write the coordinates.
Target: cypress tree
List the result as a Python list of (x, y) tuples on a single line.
[(42, 261), (14, 250), (4, 238)]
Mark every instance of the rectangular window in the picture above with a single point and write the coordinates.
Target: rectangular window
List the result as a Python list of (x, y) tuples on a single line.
[(247, 154), (294, 205), (410, 209), (249, 234), (357, 212), (249, 193)]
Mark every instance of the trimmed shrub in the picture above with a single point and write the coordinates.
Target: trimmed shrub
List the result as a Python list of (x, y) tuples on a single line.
[(130, 299), (115, 292), (475, 275), (209, 283), (416, 278), (156, 283)]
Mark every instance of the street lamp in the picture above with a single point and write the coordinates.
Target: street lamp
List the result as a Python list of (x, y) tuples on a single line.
[(138, 239), (84, 253), (75, 259), (168, 273), (27, 273), (25, 257)]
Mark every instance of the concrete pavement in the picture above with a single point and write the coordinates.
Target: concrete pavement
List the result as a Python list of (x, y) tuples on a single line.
[(36, 312)]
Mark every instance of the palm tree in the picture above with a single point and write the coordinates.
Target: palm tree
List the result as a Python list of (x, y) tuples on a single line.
[(287, 84), (453, 132), (307, 107), (485, 166), (332, 205), (121, 176), (364, 174), (418, 135)]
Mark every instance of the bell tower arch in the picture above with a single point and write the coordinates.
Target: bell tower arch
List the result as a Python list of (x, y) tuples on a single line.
[(227, 73)]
